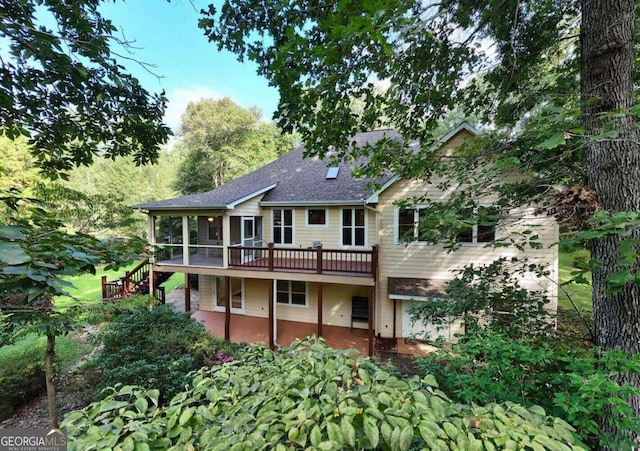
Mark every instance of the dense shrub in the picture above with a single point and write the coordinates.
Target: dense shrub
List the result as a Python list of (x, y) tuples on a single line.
[(581, 258), (308, 396), (156, 348), (572, 383), (490, 297)]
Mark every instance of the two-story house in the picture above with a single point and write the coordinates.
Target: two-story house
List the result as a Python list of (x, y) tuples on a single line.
[(303, 241)]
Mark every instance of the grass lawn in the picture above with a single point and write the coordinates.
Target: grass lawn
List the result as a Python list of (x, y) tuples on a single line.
[(87, 288), (580, 293)]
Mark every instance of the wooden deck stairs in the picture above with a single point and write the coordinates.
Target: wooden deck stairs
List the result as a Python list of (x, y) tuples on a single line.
[(135, 282)]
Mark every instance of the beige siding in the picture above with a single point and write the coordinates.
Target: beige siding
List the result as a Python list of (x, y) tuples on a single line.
[(330, 236), (205, 292), (250, 207), (422, 260)]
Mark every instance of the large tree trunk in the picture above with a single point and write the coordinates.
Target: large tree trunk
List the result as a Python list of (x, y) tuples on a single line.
[(51, 388), (613, 165)]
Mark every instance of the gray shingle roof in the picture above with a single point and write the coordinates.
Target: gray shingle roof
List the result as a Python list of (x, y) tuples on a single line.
[(297, 180)]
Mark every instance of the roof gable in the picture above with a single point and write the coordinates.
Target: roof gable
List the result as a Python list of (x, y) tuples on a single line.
[(289, 180)]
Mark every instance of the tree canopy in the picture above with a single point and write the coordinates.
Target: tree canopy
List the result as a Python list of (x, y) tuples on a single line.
[(222, 141), (62, 87), (551, 80)]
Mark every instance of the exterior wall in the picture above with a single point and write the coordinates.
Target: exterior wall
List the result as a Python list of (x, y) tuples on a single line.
[(205, 292), (329, 235), (422, 260), (249, 207), (336, 305)]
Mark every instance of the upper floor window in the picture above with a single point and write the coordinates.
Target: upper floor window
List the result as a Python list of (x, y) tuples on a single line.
[(484, 227), (408, 219), (353, 226), (483, 230), (317, 217), (291, 292), (282, 226)]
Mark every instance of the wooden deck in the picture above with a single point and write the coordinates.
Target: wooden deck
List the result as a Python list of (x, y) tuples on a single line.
[(341, 262)]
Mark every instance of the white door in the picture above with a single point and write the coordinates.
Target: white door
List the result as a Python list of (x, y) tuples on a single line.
[(220, 295), (420, 330), (248, 237)]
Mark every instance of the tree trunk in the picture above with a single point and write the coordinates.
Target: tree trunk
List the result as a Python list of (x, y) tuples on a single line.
[(613, 164), (51, 388)]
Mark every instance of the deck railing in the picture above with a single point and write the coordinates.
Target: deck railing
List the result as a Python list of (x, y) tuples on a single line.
[(135, 281), (316, 260)]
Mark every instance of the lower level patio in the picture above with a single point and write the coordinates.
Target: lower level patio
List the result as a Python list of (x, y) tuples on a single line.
[(254, 330)]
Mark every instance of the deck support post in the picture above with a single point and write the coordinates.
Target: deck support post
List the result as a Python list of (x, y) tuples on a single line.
[(319, 259), (270, 246), (320, 309), (272, 344), (187, 293), (227, 309), (104, 287), (371, 313)]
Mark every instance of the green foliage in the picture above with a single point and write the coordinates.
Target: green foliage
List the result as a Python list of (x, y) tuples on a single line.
[(154, 348), (308, 396), (490, 296), (572, 383), (223, 141), (581, 258), (62, 88), (22, 374)]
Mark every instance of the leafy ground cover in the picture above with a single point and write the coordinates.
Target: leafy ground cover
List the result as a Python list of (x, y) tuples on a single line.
[(308, 396)]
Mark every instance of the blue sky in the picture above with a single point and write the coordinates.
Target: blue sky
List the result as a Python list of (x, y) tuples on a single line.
[(167, 36)]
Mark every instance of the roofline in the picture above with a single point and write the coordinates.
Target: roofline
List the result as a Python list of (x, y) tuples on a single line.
[(233, 204), (182, 207), (229, 206), (310, 203), (462, 126)]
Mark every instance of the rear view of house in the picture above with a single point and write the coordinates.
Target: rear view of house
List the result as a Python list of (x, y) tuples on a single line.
[(301, 242)]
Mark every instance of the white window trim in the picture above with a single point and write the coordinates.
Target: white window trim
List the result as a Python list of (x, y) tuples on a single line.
[(366, 228), (316, 226), (289, 304), (293, 227), (396, 224)]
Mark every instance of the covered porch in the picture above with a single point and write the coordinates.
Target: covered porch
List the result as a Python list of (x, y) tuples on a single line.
[(254, 330)]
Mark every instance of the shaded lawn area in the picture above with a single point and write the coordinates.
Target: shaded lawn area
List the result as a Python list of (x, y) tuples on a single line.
[(580, 293), (87, 288)]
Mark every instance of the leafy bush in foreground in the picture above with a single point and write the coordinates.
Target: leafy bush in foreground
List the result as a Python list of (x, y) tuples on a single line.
[(304, 396), (574, 384), (155, 348)]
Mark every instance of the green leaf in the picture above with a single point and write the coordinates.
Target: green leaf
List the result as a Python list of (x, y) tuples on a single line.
[(553, 142), (372, 432), (315, 436), (12, 233), (185, 416), (13, 254), (348, 432), (406, 437), (335, 435)]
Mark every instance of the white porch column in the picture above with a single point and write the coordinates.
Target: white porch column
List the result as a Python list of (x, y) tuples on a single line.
[(185, 240), (226, 239)]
